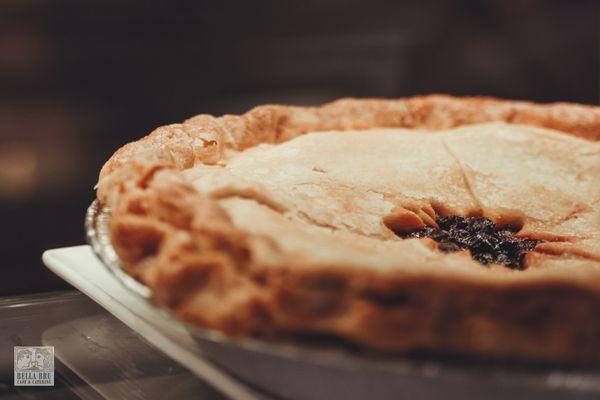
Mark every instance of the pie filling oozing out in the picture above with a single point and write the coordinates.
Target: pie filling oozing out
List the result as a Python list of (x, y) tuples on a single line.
[(468, 236), (486, 243)]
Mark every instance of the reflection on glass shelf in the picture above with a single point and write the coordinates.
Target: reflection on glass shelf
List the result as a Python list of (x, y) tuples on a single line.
[(96, 356)]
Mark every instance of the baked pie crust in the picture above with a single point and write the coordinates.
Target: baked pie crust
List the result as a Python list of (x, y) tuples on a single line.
[(284, 220)]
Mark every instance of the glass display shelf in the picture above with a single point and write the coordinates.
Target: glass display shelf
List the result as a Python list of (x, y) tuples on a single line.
[(96, 355)]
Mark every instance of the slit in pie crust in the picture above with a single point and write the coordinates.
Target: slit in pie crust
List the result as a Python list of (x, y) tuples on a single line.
[(292, 220)]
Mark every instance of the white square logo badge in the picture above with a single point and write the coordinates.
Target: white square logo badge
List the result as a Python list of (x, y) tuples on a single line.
[(34, 366)]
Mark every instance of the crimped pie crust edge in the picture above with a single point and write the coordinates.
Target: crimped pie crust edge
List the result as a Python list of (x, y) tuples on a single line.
[(156, 215)]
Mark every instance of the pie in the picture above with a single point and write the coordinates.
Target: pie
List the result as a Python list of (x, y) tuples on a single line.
[(428, 224)]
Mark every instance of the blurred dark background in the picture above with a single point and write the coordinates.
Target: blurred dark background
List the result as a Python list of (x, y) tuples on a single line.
[(79, 79)]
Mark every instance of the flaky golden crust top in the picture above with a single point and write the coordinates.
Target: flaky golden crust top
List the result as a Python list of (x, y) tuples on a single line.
[(203, 138), (204, 259)]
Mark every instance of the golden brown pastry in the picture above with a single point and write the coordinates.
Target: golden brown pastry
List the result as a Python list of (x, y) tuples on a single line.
[(464, 225)]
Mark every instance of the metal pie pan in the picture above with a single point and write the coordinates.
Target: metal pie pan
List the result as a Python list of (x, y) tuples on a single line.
[(324, 370)]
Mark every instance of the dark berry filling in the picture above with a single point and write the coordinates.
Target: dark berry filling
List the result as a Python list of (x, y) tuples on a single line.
[(487, 243)]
